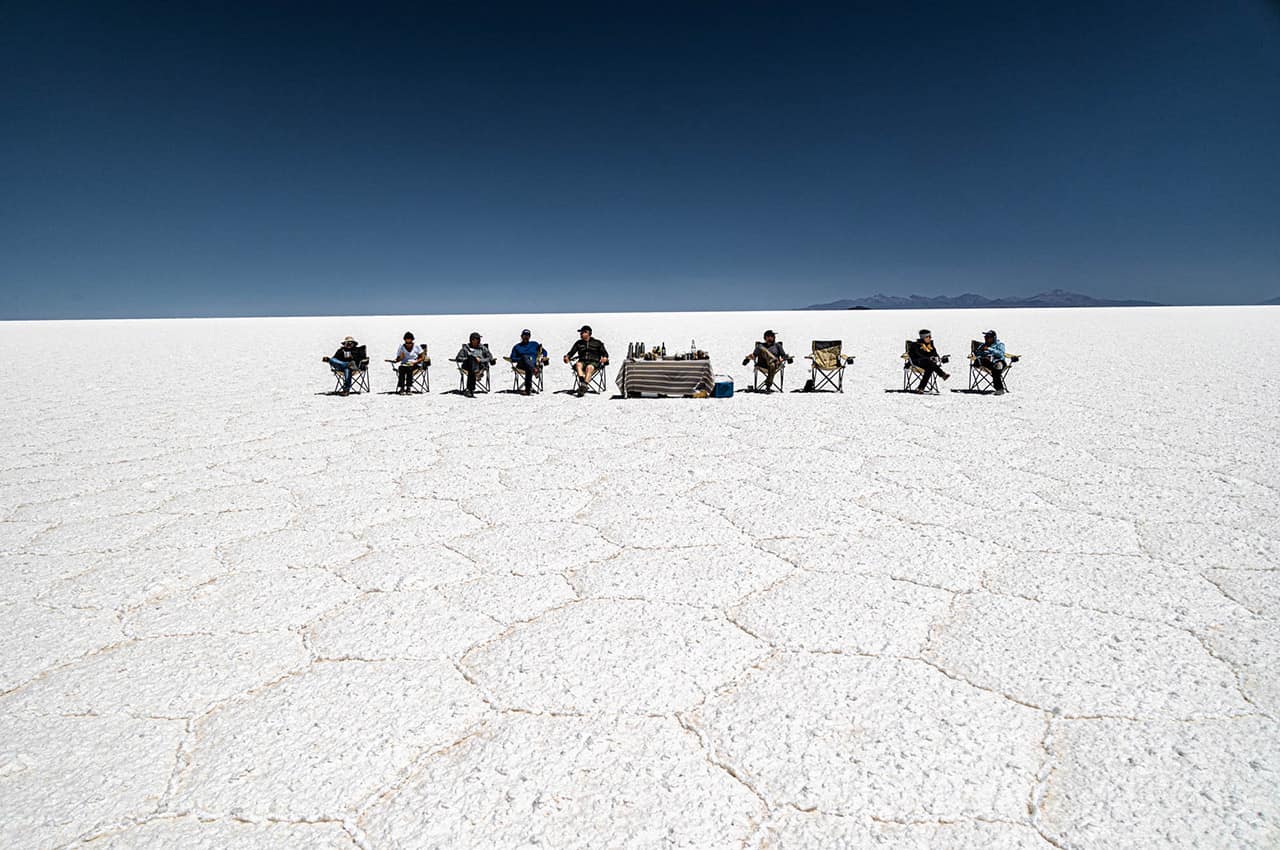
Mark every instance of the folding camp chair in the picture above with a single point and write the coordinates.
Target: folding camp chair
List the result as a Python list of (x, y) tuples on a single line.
[(760, 374), (517, 375), (482, 377), (827, 365), (597, 384), (911, 373), (359, 372), (980, 375), (421, 376)]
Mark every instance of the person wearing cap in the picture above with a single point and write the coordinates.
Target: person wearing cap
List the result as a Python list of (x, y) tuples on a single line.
[(473, 357), (588, 355), (347, 357), (925, 357), (527, 355), (769, 356), (409, 358), (990, 356)]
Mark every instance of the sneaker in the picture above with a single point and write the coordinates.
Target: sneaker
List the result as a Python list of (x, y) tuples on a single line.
[(1000, 392), (943, 375), (345, 393), (469, 393), (746, 360)]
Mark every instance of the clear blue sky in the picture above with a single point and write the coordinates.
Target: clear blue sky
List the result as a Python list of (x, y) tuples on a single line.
[(315, 158)]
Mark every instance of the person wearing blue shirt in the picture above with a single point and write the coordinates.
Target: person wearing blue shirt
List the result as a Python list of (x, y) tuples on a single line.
[(528, 356), (991, 357)]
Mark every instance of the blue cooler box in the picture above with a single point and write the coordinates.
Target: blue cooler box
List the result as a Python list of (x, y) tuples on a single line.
[(723, 387)]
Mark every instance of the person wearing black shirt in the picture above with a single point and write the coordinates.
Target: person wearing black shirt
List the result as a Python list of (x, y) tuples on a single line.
[(588, 355)]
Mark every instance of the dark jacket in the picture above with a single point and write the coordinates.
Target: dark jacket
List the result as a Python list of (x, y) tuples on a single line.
[(775, 348), (588, 351), (923, 353), (355, 354)]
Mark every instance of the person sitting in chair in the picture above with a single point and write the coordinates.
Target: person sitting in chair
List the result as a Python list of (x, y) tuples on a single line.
[(990, 356), (527, 356), (770, 357), (409, 357), (588, 355), (924, 356), (348, 356), (472, 358)]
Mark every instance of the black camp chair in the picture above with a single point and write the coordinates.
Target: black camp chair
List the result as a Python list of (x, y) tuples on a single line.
[(517, 374), (421, 374), (359, 372), (912, 379), (827, 365), (482, 375), (980, 373), (598, 383)]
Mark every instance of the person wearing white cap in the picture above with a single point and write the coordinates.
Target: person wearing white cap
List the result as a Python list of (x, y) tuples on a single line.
[(527, 355)]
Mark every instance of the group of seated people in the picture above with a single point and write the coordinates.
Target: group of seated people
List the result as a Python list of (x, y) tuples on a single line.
[(990, 355), (588, 356)]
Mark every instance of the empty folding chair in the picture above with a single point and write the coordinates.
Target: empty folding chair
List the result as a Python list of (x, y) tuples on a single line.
[(827, 365)]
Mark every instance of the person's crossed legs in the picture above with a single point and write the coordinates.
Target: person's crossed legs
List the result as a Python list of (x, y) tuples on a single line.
[(343, 366)]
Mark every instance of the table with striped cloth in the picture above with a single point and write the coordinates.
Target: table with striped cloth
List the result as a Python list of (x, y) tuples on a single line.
[(665, 377)]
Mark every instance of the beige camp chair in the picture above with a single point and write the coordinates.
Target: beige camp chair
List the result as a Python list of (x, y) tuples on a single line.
[(827, 365)]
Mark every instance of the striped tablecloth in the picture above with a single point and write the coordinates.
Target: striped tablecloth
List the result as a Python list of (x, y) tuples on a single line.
[(665, 377)]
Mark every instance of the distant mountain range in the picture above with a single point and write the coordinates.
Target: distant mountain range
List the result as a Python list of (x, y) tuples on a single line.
[(1052, 298), (1273, 301)]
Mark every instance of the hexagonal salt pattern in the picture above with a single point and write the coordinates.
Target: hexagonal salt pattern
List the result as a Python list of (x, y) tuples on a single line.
[(1081, 662), (253, 615), (572, 784), (612, 655), (324, 740), (889, 738)]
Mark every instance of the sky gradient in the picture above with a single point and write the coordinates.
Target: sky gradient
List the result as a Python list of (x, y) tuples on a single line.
[(210, 159)]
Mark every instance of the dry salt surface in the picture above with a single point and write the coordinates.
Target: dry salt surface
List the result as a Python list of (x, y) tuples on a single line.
[(238, 612)]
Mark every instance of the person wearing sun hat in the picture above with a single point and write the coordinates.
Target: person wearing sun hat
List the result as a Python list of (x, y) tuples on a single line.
[(349, 356)]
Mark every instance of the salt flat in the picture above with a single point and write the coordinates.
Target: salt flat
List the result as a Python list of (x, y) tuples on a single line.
[(239, 612)]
